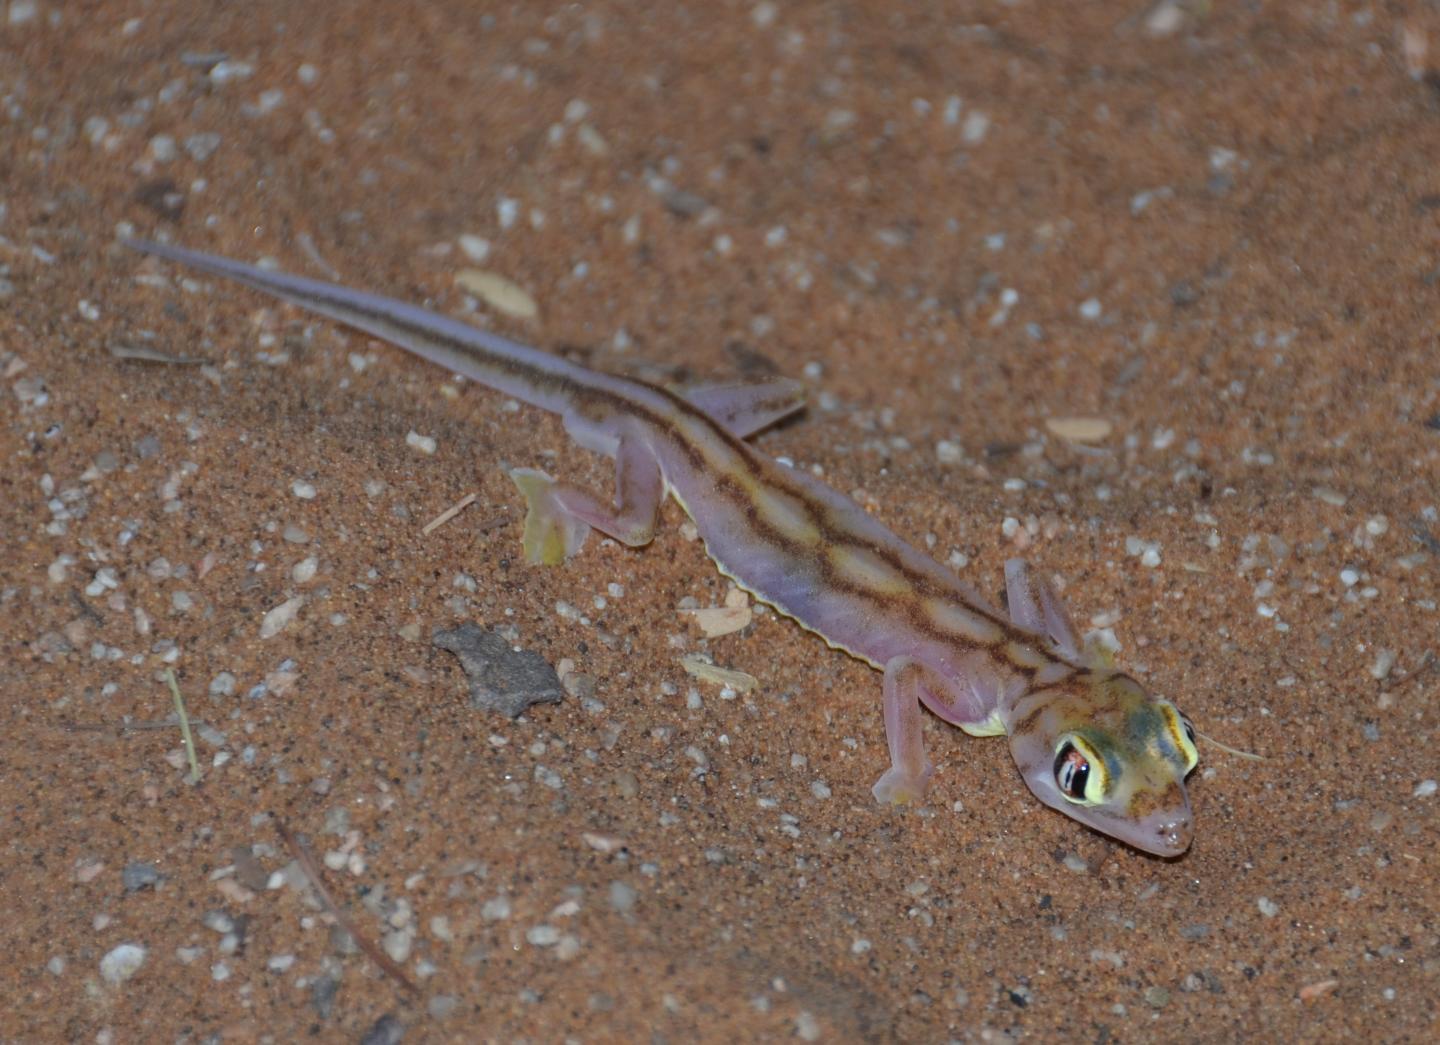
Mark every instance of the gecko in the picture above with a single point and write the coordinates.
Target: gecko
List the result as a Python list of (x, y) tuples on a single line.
[(1088, 740)]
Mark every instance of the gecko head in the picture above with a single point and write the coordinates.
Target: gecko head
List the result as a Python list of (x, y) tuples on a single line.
[(1102, 750)]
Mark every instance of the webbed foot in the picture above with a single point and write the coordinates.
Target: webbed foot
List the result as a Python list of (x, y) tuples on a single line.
[(899, 787), (552, 534)]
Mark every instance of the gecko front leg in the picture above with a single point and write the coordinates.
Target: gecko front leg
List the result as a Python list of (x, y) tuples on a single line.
[(560, 516), (967, 700), (909, 772)]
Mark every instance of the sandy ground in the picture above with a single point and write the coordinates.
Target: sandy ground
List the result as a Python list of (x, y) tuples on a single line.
[(1212, 227)]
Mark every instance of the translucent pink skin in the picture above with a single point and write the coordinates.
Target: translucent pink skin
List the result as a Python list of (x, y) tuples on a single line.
[(812, 553)]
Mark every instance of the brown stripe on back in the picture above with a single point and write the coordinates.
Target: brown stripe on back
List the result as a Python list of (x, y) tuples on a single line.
[(830, 530)]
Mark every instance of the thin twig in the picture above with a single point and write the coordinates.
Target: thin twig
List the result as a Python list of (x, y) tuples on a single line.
[(148, 354), (1248, 756), (119, 729), (307, 865), (448, 514), (184, 726), (1428, 661)]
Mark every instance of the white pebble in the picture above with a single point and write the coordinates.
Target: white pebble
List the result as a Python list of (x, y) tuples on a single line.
[(226, 71), (476, 248), (424, 443), (397, 945), (543, 935), (1090, 308), (1425, 788), (122, 963), (507, 210), (976, 126), (1267, 907), (278, 618), (948, 453)]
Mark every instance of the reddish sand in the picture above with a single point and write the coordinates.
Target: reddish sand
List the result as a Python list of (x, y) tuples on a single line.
[(1212, 226)]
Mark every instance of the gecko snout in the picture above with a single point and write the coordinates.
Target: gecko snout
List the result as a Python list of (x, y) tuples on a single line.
[(1173, 833)]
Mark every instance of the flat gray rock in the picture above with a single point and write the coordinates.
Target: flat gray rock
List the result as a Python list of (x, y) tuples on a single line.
[(501, 679)]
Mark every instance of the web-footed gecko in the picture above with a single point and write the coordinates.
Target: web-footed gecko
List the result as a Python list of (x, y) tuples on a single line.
[(1088, 740)]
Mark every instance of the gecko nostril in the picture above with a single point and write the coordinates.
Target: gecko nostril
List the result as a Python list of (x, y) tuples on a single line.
[(1176, 832)]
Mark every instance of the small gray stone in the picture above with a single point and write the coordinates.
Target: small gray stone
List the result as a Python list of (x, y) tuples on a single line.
[(441, 1006), (202, 146), (501, 679), (322, 995), (622, 897), (140, 875), (387, 1030)]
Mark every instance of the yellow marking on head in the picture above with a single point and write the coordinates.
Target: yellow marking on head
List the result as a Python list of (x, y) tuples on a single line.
[(1179, 735), (787, 514), (954, 617), (864, 569)]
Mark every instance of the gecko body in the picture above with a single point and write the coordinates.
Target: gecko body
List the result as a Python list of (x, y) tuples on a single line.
[(1088, 740)]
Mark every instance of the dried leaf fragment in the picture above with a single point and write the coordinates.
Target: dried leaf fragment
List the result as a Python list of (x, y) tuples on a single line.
[(703, 670), (498, 292), (1080, 429)]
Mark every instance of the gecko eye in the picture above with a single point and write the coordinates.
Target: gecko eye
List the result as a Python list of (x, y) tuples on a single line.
[(1074, 777)]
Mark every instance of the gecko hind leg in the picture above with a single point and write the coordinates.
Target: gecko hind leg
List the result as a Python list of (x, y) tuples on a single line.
[(560, 516), (1036, 607), (745, 407)]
